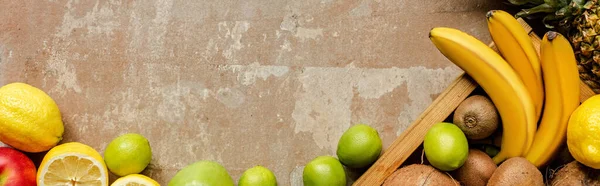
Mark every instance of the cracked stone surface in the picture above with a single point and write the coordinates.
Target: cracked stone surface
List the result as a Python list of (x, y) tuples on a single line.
[(244, 83)]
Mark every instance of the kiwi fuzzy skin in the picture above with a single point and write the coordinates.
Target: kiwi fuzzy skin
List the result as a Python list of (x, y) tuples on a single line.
[(477, 170), (575, 174), (516, 171), (477, 117)]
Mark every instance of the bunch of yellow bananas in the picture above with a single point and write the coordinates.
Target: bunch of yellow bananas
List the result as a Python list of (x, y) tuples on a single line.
[(527, 88)]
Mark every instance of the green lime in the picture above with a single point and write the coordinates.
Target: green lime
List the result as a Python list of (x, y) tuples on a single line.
[(205, 173), (359, 146), (446, 146), (324, 170), (259, 176), (127, 154)]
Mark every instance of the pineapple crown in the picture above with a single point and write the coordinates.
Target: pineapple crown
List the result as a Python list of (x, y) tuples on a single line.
[(556, 12)]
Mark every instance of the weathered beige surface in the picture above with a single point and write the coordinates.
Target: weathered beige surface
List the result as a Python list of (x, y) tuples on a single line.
[(271, 82)]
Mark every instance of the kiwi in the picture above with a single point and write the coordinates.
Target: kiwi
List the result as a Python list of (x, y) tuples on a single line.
[(477, 117), (419, 175), (575, 174), (516, 171), (477, 170)]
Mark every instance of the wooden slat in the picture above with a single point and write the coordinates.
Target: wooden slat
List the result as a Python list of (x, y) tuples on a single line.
[(438, 111), (413, 136), (585, 92)]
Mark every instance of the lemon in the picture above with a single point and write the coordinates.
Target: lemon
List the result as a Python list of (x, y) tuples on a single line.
[(29, 119), (135, 180), (72, 163), (257, 176), (205, 173), (359, 146), (446, 146), (324, 170), (583, 128), (128, 154)]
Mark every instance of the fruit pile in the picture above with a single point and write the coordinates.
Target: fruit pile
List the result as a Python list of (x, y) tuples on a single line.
[(526, 119), (30, 122)]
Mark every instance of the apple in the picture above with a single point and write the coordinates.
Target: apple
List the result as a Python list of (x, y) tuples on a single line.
[(16, 169)]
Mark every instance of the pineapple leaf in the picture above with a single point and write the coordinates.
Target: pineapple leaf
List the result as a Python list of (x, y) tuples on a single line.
[(525, 2), (545, 8), (589, 4), (579, 2), (552, 3), (563, 11), (563, 2), (518, 2), (549, 20)]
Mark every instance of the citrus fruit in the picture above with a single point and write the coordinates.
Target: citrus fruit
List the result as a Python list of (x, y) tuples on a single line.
[(446, 146), (72, 163), (359, 146), (205, 173), (257, 176), (324, 170), (583, 128), (128, 154), (135, 180), (29, 119)]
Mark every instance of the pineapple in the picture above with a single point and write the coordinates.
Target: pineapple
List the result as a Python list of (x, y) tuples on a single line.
[(580, 22)]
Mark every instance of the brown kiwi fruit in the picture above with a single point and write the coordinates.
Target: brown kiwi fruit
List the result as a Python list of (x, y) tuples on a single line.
[(516, 171), (477, 117), (477, 170), (575, 174)]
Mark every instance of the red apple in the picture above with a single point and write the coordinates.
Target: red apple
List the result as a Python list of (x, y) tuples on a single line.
[(16, 169)]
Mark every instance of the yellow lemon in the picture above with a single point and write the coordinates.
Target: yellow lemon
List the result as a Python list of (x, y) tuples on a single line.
[(29, 119), (135, 180), (583, 140), (72, 163)]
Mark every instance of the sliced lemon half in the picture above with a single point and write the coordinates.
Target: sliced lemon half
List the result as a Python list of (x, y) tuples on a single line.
[(135, 180), (72, 164)]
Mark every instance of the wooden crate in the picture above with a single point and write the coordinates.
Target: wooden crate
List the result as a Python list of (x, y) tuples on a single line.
[(407, 148)]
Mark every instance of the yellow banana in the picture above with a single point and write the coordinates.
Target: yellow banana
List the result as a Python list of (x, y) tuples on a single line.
[(498, 80), (561, 79), (516, 47)]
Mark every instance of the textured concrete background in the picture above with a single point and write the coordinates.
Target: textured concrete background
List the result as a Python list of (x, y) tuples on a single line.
[(269, 82)]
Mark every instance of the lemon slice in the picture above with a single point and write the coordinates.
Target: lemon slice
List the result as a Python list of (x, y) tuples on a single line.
[(135, 180), (72, 164)]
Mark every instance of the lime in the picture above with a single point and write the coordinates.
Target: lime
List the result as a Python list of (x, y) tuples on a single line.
[(359, 146), (583, 140), (324, 170), (257, 175), (446, 146), (205, 173), (128, 154)]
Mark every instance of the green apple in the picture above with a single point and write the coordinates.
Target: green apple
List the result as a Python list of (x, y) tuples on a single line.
[(206, 173)]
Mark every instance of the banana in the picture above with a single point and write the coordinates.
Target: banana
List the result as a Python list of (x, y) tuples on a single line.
[(498, 80), (516, 47), (561, 79)]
